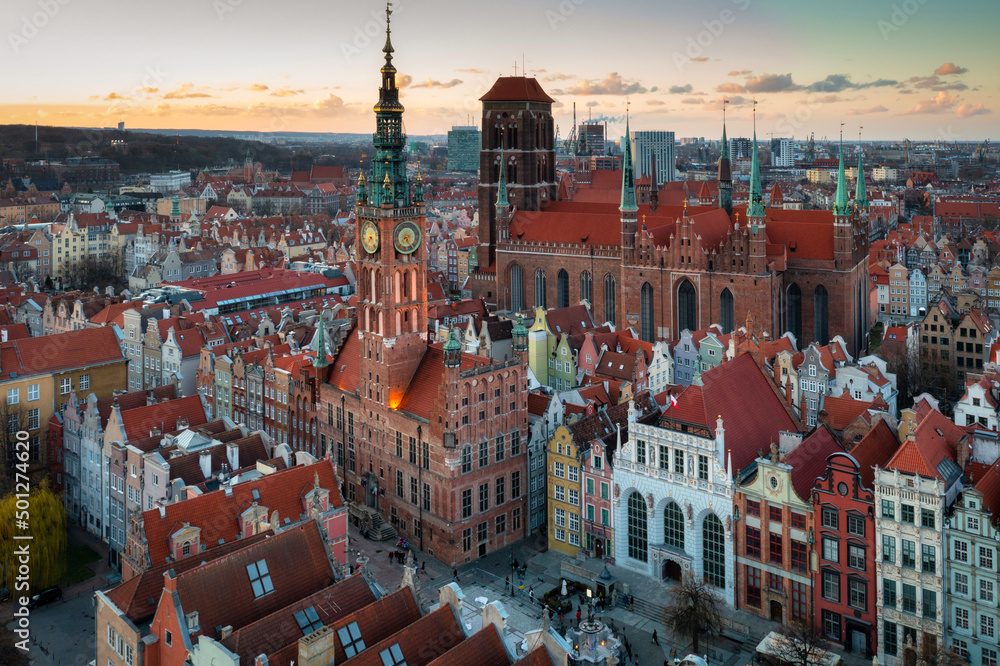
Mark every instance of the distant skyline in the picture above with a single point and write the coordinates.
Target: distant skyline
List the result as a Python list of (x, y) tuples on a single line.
[(916, 69)]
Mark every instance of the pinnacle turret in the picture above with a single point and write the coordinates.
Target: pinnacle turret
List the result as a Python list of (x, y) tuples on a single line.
[(755, 207), (628, 176), (861, 193), (840, 205), (502, 181)]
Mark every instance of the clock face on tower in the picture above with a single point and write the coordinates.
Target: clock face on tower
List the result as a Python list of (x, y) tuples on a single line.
[(369, 237), (406, 237)]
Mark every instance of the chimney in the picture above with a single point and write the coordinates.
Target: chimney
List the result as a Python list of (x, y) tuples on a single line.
[(316, 649), (225, 631), (233, 455), (205, 462), (182, 423)]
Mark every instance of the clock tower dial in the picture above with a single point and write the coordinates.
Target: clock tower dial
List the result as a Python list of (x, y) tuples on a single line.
[(369, 237), (406, 237)]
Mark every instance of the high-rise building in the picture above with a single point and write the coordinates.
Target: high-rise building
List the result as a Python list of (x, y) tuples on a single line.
[(782, 154), (647, 144), (463, 148), (740, 148), (592, 138)]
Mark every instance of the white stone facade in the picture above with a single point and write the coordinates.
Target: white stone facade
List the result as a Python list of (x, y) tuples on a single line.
[(683, 468)]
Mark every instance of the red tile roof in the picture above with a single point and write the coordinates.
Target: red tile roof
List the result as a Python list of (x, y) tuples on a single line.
[(199, 589), (751, 412), (422, 392), (438, 628), (188, 467), (484, 648), (934, 439), (59, 352), (875, 449), (808, 459), (217, 514), (842, 410), (989, 485), (344, 370), (382, 619), (538, 403), (140, 421), (516, 89)]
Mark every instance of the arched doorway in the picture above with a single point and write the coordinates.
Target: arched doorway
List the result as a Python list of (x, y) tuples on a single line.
[(599, 548), (793, 312), (646, 312), (637, 533), (671, 570), (726, 311), (516, 288), (687, 307), (821, 315), (562, 289)]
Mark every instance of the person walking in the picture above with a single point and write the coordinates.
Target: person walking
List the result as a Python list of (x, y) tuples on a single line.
[(506, 584), (454, 574), (531, 593), (655, 641), (520, 589), (577, 614)]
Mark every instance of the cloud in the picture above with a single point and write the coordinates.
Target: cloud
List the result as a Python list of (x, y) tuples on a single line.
[(471, 70), (556, 76), (966, 110), (592, 103), (770, 83), (257, 87), (740, 72), (679, 90), (655, 102), (935, 84), (148, 91), (286, 92), (701, 59), (938, 104), (113, 96), (330, 105), (729, 88), (826, 99), (431, 83), (717, 103), (93, 97), (612, 84), (403, 80), (950, 68), (871, 109), (690, 100), (185, 91), (841, 82)]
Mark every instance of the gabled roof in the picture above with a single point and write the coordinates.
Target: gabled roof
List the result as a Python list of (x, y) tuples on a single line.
[(217, 513), (989, 485), (484, 648), (516, 89), (188, 467), (199, 588), (422, 392), (875, 449), (440, 627), (140, 421), (538, 403), (808, 459), (842, 410), (379, 620), (931, 449), (752, 414), (59, 352), (572, 319)]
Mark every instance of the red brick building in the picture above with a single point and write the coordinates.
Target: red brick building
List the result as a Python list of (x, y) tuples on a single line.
[(846, 590), (660, 268), (429, 437)]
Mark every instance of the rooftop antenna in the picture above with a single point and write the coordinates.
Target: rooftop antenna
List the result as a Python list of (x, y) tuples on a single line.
[(524, 72), (515, 68), (755, 116)]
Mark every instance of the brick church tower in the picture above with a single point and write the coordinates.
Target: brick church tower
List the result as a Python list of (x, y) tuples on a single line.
[(517, 121), (392, 257)]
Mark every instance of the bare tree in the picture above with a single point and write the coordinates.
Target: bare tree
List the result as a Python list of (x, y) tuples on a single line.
[(800, 644), (694, 610)]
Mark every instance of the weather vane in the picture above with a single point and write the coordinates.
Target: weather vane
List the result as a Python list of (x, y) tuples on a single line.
[(388, 11)]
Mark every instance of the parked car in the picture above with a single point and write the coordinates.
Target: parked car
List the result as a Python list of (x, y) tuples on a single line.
[(45, 597)]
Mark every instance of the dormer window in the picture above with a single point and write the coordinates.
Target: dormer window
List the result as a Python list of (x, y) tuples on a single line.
[(260, 579), (392, 656), (350, 639), (308, 620)]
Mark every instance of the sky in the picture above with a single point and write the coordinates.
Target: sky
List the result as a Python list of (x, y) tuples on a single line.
[(917, 69)]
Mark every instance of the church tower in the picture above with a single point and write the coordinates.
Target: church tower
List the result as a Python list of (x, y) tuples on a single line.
[(843, 229), (861, 195), (755, 216), (725, 176), (628, 208), (392, 255)]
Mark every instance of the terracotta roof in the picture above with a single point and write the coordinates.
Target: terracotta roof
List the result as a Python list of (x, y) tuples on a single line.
[(875, 449), (989, 485), (935, 440), (751, 412), (484, 648), (15, 331), (344, 369), (188, 467), (440, 627), (140, 421), (422, 392), (217, 513), (59, 352), (617, 366), (808, 459), (272, 633), (842, 410), (198, 589), (379, 620), (572, 319), (516, 89), (537, 657), (538, 403)]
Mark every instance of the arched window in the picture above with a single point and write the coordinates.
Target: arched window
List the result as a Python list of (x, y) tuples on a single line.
[(587, 287), (793, 312), (186, 549), (714, 543), (637, 537), (673, 526), (539, 288), (516, 288), (562, 289), (820, 318), (726, 314), (610, 290), (646, 312), (687, 307)]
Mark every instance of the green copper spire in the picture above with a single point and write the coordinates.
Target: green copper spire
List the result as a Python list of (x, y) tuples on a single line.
[(861, 194), (321, 360), (502, 182), (725, 144), (175, 208), (628, 176), (755, 207), (840, 205), (389, 139), (452, 350)]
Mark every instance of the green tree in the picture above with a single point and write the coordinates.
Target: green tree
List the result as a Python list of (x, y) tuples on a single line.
[(693, 611), (46, 518)]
